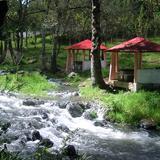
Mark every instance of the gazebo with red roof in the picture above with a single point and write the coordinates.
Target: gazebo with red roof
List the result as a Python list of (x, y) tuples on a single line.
[(78, 57), (141, 77)]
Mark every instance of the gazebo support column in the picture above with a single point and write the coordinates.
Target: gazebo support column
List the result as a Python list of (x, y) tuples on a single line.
[(112, 74), (140, 61), (105, 57), (136, 65), (83, 59), (72, 59), (116, 62)]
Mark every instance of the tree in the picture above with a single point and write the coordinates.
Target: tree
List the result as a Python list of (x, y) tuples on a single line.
[(3, 47), (3, 9), (96, 73)]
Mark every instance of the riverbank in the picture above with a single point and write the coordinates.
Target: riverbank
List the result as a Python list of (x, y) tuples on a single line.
[(26, 83), (126, 107)]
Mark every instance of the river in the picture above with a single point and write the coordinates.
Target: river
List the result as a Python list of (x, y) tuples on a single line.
[(54, 121)]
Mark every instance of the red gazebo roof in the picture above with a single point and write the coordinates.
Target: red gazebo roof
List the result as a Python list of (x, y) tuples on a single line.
[(84, 45), (137, 44)]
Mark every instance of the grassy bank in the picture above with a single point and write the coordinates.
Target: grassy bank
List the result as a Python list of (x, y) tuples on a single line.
[(126, 107), (30, 83)]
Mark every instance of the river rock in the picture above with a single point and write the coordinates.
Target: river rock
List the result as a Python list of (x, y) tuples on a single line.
[(99, 123), (13, 71), (5, 126), (90, 115), (75, 109), (28, 136), (148, 124), (21, 72), (72, 75), (45, 116), (36, 123), (75, 94), (36, 135), (53, 120), (63, 128), (63, 105), (71, 152), (31, 102), (46, 143), (2, 72)]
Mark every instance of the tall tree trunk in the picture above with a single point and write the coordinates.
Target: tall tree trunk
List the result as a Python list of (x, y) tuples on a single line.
[(3, 51), (96, 73), (43, 54), (26, 39), (3, 9), (54, 56), (35, 39), (18, 41), (21, 42)]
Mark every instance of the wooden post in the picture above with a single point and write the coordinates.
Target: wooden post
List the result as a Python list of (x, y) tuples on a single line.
[(105, 57), (112, 74), (135, 66), (140, 60), (116, 62)]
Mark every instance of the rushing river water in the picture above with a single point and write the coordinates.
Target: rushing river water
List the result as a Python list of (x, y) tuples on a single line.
[(56, 123)]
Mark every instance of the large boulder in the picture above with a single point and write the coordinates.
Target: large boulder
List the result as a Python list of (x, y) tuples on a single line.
[(75, 109), (148, 124), (36, 135), (71, 152)]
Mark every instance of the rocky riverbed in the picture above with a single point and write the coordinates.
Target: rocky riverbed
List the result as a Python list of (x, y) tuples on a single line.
[(26, 124)]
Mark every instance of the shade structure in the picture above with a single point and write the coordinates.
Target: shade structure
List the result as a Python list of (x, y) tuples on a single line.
[(138, 44), (84, 45), (79, 56)]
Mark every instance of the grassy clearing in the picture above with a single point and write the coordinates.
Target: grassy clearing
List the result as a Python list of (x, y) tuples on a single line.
[(27, 83), (126, 107)]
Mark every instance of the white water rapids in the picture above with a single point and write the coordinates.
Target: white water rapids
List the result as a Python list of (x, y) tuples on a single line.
[(102, 143)]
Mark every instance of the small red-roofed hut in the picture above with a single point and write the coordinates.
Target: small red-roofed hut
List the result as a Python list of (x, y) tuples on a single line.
[(78, 56), (138, 77)]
